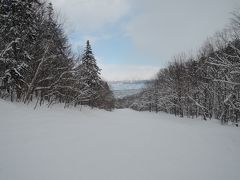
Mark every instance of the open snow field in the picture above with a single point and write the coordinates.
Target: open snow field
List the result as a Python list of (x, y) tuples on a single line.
[(68, 144)]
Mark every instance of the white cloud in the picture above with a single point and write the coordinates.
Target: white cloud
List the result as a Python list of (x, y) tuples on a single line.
[(89, 15), (159, 29), (116, 72), (79, 43), (167, 27), (94, 39)]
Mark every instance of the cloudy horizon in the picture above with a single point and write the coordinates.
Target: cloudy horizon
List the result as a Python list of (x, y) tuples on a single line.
[(133, 39)]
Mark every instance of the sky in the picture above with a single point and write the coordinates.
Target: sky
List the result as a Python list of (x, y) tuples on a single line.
[(133, 39)]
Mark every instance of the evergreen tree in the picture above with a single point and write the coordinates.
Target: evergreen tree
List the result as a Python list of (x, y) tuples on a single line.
[(18, 30), (90, 73)]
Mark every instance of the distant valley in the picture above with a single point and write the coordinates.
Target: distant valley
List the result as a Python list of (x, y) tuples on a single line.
[(126, 88)]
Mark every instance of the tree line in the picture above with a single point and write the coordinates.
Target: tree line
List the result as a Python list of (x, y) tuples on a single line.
[(206, 85), (37, 63)]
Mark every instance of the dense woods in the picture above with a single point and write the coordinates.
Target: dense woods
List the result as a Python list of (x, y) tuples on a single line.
[(36, 61), (206, 86)]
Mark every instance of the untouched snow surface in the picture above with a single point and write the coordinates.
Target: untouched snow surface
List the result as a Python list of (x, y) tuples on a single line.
[(68, 144)]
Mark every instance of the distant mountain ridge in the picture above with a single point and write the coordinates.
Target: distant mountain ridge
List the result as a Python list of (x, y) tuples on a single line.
[(126, 88)]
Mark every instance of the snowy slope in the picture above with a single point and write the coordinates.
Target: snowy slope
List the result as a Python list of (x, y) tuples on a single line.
[(66, 144)]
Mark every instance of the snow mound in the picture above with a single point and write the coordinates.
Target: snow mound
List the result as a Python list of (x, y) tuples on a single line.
[(60, 144)]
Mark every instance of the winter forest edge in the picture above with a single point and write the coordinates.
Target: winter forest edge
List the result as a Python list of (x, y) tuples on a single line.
[(37, 63)]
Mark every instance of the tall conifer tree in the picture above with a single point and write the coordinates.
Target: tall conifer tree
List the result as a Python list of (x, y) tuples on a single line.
[(90, 72)]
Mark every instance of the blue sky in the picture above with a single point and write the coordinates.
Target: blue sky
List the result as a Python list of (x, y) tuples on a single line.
[(133, 39)]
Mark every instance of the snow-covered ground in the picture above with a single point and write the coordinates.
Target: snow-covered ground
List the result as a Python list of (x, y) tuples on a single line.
[(68, 144)]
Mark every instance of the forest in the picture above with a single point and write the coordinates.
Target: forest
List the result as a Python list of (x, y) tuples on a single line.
[(206, 85), (37, 63)]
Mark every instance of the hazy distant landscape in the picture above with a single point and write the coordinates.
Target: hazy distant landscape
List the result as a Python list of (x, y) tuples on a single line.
[(126, 88)]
